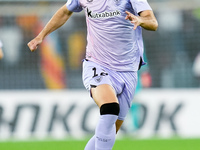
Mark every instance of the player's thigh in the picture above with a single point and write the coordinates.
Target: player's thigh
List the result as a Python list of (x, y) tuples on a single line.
[(126, 97), (103, 93), (94, 75), (96, 79)]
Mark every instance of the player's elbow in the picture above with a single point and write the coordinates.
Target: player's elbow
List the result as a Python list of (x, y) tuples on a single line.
[(152, 26), (155, 25)]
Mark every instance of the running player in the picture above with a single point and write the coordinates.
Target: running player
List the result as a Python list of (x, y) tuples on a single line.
[(114, 53)]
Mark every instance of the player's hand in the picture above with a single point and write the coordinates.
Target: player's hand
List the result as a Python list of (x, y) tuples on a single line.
[(33, 44), (134, 19)]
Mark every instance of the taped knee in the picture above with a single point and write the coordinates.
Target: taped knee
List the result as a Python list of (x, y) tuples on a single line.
[(110, 108)]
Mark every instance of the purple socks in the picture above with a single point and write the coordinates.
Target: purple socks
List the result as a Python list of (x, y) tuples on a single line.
[(105, 133)]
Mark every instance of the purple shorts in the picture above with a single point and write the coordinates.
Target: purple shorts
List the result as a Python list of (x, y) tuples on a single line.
[(123, 82)]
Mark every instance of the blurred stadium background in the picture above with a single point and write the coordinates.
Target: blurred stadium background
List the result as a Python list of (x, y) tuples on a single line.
[(42, 96)]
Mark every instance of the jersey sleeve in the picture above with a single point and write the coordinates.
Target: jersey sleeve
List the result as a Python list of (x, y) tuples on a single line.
[(74, 6), (140, 5)]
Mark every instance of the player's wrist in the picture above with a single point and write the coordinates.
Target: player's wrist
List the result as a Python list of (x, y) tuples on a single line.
[(40, 37), (141, 21)]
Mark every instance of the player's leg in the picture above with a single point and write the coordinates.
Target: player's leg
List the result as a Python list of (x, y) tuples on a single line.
[(105, 132), (91, 143), (118, 124), (97, 80), (103, 94), (126, 96)]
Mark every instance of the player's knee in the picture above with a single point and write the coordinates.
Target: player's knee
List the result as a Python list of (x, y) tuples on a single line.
[(110, 108)]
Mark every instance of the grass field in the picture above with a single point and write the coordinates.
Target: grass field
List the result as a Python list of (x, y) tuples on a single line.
[(125, 144)]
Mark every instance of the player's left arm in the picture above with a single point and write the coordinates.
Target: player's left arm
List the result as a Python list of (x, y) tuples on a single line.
[(146, 19)]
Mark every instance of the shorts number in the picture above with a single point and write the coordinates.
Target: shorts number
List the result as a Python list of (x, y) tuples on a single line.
[(95, 73)]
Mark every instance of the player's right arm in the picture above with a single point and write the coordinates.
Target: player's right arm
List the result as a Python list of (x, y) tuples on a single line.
[(58, 19)]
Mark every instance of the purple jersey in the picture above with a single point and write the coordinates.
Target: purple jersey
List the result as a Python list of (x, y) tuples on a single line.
[(112, 42)]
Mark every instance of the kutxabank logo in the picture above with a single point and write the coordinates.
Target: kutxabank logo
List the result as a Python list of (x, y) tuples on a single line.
[(103, 14)]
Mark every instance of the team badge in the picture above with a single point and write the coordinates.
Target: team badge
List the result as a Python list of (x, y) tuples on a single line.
[(98, 79)]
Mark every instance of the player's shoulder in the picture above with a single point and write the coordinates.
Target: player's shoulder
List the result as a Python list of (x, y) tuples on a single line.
[(74, 5)]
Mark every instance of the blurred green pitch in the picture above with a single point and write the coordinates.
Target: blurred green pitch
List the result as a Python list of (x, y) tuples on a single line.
[(124, 144)]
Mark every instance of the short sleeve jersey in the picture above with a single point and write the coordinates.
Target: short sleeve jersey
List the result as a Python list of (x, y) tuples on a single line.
[(111, 40)]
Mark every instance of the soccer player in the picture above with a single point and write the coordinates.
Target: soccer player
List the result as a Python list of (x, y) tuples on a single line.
[(1, 51), (114, 53)]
